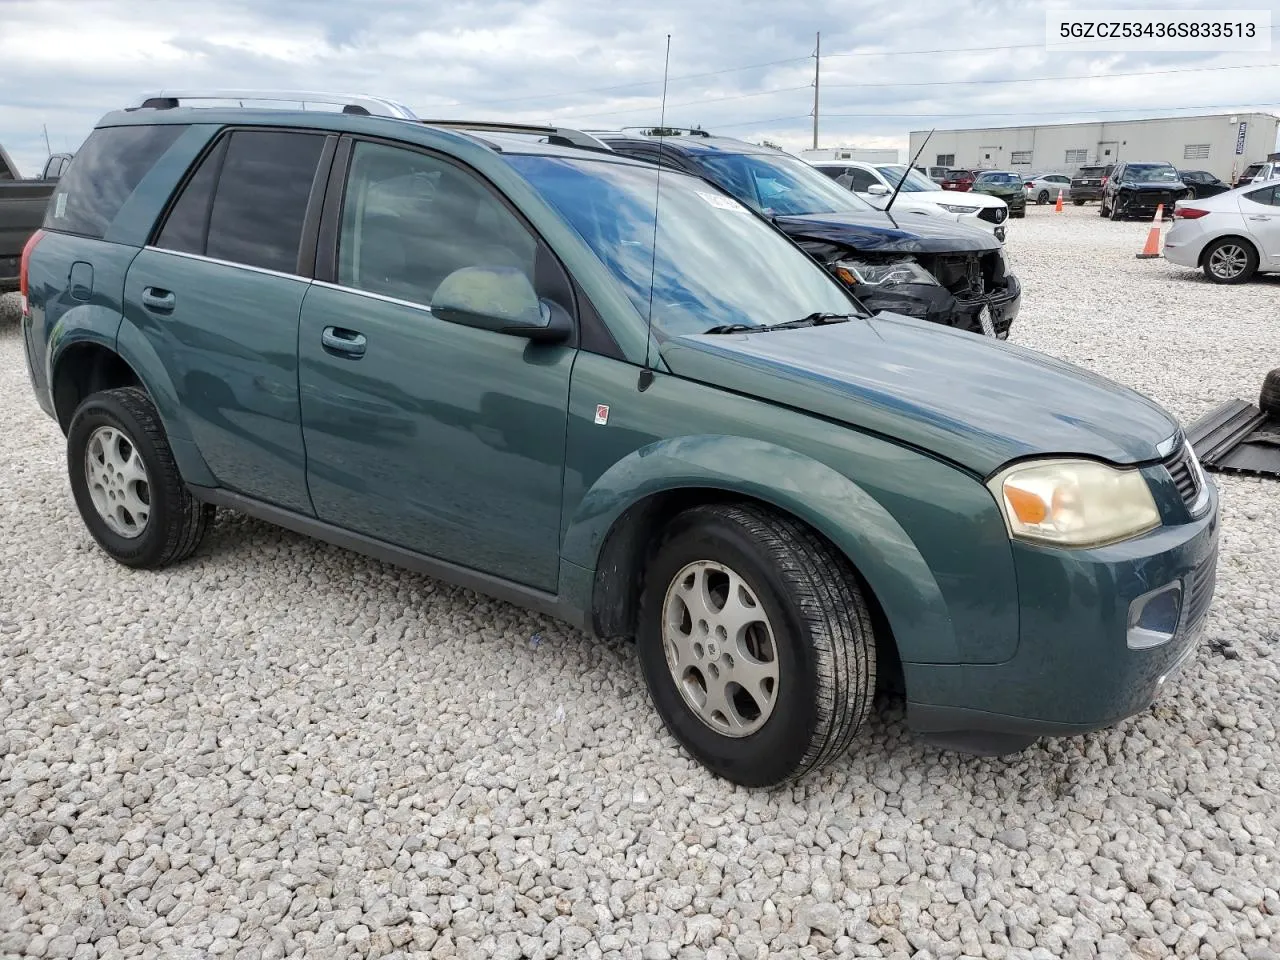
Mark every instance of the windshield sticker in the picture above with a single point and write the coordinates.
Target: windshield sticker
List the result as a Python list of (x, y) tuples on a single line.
[(721, 202)]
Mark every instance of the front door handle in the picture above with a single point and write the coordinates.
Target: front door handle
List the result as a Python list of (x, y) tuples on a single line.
[(340, 340), (1259, 218), (161, 301)]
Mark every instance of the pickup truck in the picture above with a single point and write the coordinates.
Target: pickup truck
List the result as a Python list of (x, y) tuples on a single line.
[(22, 206)]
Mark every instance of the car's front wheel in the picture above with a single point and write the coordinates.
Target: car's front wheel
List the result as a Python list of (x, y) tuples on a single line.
[(1078, 203), (1114, 210), (1230, 260), (126, 484), (756, 643)]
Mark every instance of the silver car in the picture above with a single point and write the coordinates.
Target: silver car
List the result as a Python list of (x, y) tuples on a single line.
[(1044, 187)]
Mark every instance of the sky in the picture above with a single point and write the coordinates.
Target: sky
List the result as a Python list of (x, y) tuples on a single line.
[(744, 68)]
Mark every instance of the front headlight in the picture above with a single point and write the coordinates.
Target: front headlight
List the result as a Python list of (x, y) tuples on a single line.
[(957, 208), (856, 272), (1074, 503)]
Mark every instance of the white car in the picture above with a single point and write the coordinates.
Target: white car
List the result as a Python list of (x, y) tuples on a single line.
[(1231, 236), (875, 184)]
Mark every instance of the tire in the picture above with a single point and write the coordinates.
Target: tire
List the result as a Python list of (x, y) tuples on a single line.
[(1043, 197), (814, 615), (123, 424), (1229, 260), (1078, 203), (1269, 399), (1102, 208), (1114, 211), (1020, 214)]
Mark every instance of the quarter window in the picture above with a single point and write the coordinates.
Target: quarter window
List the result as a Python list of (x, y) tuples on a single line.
[(108, 168), (409, 220), (1267, 195)]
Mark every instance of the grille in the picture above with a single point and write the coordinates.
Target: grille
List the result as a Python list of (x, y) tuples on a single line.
[(1184, 475), (993, 214)]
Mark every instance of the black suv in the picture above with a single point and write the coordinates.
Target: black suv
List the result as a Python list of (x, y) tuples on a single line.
[(908, 263), (1135, 189), (1089, 182)]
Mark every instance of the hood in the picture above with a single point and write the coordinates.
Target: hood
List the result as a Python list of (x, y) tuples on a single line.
[(946, 196), (1152, 187), (975, 401), (891, 232)]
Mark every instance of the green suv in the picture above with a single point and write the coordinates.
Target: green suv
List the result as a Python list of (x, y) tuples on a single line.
[(473, 352), (1007, 186)]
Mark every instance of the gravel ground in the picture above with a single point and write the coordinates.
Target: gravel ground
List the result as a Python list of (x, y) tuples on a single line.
[(280, 748)]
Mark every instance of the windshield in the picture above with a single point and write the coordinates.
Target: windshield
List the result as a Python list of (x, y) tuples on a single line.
[(1151, 173), (778, 185), (915, 183), (997, 178), (716, 264)]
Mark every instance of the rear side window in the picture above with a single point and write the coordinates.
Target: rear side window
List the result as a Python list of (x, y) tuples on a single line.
[(107, 170), (247, 200)]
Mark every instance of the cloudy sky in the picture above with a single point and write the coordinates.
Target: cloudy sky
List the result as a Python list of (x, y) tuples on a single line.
[(743, 67)]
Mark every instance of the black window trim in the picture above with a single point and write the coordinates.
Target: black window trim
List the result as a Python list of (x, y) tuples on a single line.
[(304, 266), (589, 330)]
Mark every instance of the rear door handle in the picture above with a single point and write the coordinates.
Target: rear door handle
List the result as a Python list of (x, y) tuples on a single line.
[(340, 340), (161, 301)]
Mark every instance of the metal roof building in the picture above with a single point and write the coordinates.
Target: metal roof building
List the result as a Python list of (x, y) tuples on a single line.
[(1224, 144)]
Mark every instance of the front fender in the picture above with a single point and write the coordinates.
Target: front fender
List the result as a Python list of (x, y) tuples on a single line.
[(813, 492)]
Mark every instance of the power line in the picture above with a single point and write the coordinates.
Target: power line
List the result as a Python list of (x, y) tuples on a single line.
[(1086, 76)]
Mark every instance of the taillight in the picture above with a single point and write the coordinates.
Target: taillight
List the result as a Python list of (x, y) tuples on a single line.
[(1189, 213), (22, 270), (1104, 180)]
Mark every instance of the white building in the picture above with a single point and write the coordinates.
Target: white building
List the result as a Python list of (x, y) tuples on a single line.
[(864, 154), (1223, 144)]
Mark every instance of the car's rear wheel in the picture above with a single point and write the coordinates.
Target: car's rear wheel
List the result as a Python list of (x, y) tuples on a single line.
[(1230, 260), (126, 484), (756, 644), (1269, 398), (1043, 197), (1078, 203)]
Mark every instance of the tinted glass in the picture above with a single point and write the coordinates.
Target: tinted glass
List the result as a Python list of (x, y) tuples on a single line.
[(913, 183), (1267, 195), (410, 220), (184, 229), (857, 179), (715, 262), (833, 172), (261, 198), (777, 185), (107, 169)]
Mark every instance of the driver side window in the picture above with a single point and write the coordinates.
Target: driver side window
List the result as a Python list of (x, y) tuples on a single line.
[(409, 220), (857, 180)]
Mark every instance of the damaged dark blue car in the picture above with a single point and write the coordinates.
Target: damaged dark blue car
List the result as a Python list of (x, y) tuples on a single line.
[(908, 263)]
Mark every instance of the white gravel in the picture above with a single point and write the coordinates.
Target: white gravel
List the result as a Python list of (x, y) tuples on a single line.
[(283, 749)]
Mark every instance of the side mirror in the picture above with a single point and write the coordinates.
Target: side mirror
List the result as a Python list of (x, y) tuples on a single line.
[(879, 190), (501, 300)]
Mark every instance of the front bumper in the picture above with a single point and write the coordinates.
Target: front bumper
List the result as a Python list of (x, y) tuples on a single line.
[(1074, 670), (937, 305), (1143, 203)]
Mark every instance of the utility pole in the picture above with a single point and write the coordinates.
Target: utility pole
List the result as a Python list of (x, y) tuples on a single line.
[(817, 69)]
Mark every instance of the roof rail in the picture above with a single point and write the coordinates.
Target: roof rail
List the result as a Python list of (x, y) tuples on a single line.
[(680, 131), (350, 103), (561, 136)]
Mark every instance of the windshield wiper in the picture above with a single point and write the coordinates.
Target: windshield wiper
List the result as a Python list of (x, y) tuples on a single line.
[(734, 328), (812, 320), (815, 320)]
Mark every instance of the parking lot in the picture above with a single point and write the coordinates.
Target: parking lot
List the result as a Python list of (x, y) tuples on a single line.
[(280, 748)]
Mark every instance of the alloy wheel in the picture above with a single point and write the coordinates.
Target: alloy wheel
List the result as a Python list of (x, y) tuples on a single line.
[(117, 481), (720, 648), (1228, 261)]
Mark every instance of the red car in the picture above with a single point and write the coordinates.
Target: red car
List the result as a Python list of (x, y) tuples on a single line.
[(958, 180)]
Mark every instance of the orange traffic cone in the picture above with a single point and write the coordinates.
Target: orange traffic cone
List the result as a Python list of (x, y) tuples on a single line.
[(1152, 249), (1057, 207)]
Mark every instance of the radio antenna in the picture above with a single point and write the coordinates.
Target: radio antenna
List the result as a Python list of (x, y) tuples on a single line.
[(646, 372), (910, 166)]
